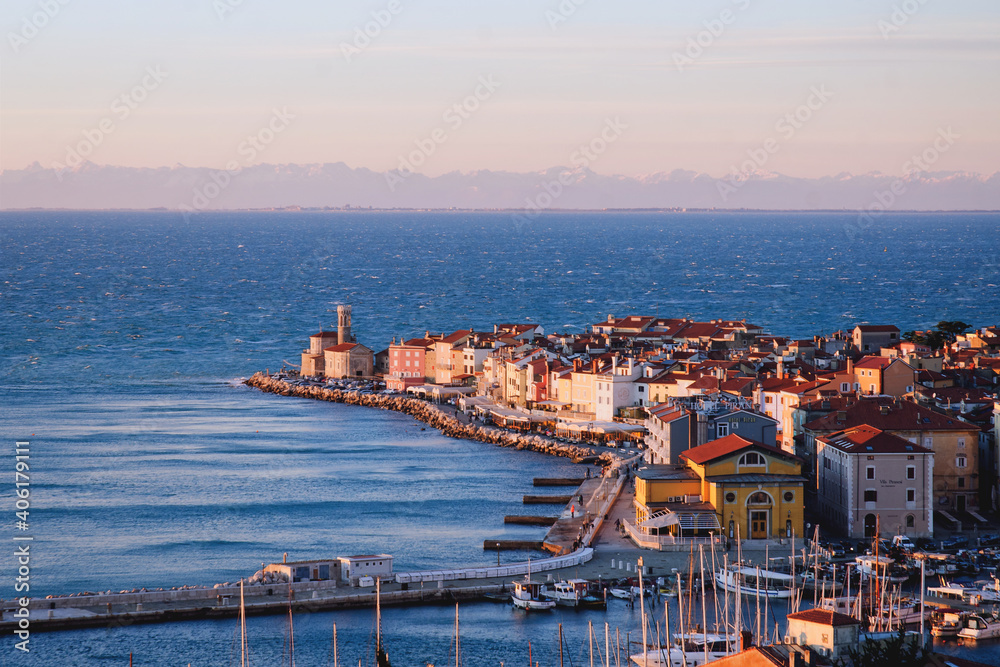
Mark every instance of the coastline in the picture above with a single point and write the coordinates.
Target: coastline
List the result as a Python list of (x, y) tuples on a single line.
[(430, 414)]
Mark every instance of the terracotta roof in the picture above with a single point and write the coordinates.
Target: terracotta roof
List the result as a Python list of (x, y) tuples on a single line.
[(824, 617), (730, 444), (873, 362), (867, 439), (323, 334), (900, 415), (343, 347)]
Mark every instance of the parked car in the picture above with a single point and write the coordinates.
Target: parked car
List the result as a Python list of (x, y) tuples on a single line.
[(989, 540), (836, 550), (956, 542)]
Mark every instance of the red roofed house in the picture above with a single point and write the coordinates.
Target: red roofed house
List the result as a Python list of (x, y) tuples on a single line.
[(313, 361), (348, 360), (870, 338), (755, 491), (882, 375), (955, 444), (867, 477)]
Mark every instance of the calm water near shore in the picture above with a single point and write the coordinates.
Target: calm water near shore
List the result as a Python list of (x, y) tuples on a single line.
[(123, 335)]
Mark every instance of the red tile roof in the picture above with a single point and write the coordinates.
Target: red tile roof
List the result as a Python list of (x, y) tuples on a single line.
[(730, 444), (343, 347), (878, 328), (868, 439), (900, 415)]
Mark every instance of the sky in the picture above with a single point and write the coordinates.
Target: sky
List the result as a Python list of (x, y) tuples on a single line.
[(799, 87)]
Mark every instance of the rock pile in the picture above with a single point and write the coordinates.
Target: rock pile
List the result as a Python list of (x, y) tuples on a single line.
[(431, 415)]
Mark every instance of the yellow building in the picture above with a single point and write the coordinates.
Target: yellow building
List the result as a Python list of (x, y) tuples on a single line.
[(752, 490)]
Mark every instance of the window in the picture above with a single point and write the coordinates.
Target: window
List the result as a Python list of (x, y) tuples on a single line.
[(752, 459), (871, 496), (959, 461), (909, 521), (928, 442), (961, 482), (722, 429), (961, 443), (845, 387), (911, 472), (911, 495), (789, 496), (730, 497), (870, 472)]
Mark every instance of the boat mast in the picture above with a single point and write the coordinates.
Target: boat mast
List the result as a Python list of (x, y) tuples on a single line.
[(680, 620), (704, 600), (642, 612), (458, 642), (607, 645), (922, 640), (244, 658)]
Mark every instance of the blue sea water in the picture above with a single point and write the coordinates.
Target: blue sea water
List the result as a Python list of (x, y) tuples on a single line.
[(123, 335)]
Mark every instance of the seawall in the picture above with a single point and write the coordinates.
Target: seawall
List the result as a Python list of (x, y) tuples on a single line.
[(429, 414)]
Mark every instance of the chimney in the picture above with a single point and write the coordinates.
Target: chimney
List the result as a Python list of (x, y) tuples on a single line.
[(593, 365), (781, 369), (850, 366), (794, 659), (746, 640)]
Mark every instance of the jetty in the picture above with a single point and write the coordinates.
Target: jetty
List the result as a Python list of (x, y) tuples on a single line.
[(545, 500), (430, 414), (111, 610)]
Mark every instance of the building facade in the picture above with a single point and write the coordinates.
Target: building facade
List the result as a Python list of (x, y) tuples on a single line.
[(869, 479)]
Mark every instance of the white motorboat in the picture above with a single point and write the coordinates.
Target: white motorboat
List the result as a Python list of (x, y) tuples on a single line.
[(980, 626), (568, 593), (751, 580), (527, 595), (621, 593)]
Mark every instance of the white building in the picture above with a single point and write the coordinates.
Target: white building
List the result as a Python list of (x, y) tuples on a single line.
[(352, 568)]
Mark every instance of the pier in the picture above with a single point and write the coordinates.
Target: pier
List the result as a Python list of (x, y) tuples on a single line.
[(110, 610), (531, 520), (557, 481), (545, 500)]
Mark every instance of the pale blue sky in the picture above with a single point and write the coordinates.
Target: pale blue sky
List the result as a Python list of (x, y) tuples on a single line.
[(890, 96)]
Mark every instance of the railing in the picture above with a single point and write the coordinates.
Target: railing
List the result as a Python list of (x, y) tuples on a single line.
[(660, 541), (577, 557)]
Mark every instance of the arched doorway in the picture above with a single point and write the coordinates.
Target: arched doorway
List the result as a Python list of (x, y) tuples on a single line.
[(759, 506), (869, 525)]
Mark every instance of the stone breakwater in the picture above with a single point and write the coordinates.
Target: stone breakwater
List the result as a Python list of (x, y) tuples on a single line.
[(430, 414)]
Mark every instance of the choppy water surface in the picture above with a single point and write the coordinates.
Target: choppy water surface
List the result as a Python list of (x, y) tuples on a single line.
[(123, 334)]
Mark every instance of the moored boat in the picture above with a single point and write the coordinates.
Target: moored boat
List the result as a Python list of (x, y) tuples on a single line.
[(751, 580), (980, 626), (527, 595), (947, 622)]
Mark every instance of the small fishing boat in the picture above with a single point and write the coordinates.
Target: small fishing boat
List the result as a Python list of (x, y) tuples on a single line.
[(751, 580), (621, 593), (497, 597), (980, 626), (527, 595), (568, 593), (947, 622)]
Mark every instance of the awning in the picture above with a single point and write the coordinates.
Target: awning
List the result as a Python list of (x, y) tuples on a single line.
[(661, 521)]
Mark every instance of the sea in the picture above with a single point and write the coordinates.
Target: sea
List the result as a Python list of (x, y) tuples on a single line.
[(125, 336)]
